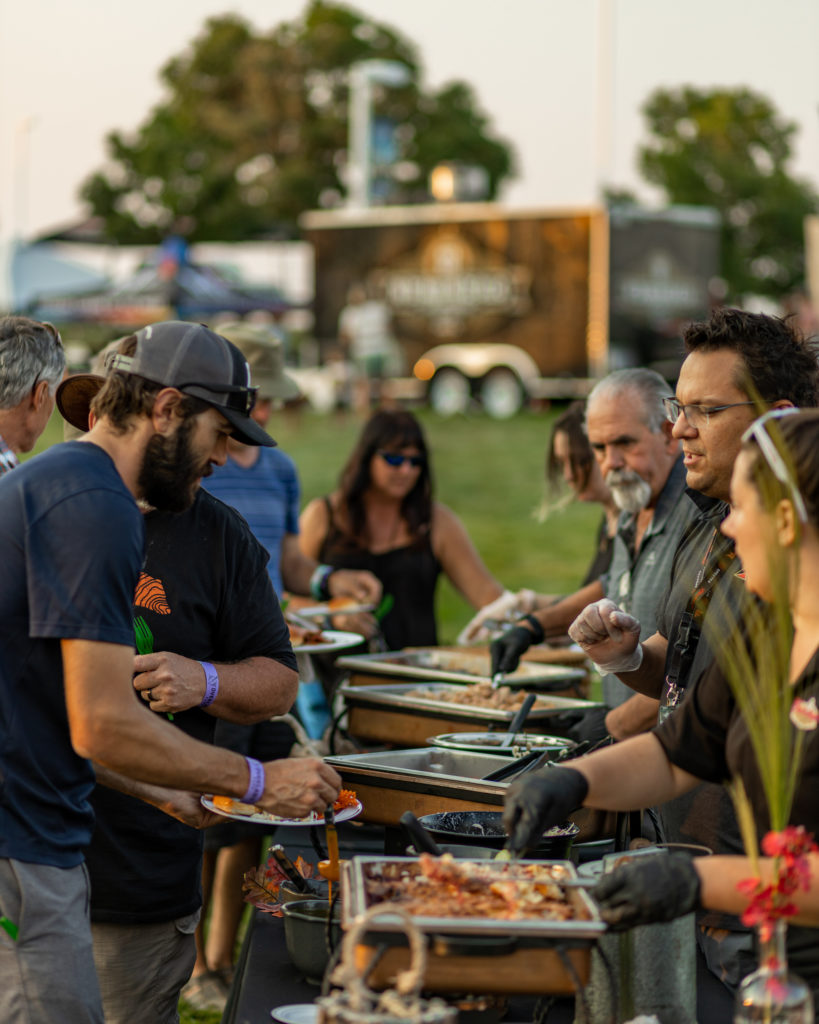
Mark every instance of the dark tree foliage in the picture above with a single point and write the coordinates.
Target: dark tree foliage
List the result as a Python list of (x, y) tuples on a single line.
[(253, 131), (729, 148)]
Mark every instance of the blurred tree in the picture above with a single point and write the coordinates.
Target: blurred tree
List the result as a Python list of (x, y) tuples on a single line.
[(729, 148), (254, 131)]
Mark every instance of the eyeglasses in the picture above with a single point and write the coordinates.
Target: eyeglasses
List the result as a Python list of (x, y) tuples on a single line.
[(697, 415), (395, 460), (758, 431)]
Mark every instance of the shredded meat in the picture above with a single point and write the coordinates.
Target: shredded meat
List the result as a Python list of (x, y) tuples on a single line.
[(480, 695), (445, 887)]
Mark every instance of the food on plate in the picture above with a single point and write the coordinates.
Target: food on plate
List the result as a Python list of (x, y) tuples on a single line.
[(479, 695), (301, 637), (227, 803), (445, 887), (339, 604), (346, 798)]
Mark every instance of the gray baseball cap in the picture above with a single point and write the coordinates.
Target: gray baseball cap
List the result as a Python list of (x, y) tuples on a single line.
[(200, 363)]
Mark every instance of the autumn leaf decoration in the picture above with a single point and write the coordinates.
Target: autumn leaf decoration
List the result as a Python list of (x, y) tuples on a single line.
[(261, 885)]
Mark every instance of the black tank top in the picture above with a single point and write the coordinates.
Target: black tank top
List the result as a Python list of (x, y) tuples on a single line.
[(409, 573)]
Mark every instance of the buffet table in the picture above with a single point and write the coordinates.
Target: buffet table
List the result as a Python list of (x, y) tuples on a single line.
[(266, 978)]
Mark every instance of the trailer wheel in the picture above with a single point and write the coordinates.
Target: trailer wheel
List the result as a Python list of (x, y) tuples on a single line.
[(449, 392), (501, 394)]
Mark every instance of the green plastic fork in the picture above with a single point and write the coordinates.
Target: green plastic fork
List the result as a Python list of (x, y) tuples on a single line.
[(145, 642)]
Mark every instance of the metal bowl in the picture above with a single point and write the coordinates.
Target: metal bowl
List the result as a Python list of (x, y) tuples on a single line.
[(501, 743), (485, 828)]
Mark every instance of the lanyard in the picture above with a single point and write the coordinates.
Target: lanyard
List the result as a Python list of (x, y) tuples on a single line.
[(716, 560)]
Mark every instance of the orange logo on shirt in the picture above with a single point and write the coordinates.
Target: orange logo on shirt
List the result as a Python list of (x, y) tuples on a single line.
[(150, 594)]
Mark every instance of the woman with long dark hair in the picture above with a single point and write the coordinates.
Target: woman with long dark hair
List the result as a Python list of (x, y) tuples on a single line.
[(383, 518)]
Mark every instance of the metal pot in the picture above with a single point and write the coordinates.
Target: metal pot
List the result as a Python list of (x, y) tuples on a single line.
[(306, 935), (485, 828)]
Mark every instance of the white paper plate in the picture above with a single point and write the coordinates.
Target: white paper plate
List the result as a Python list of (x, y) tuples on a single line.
[(320, 611), (295, 1013), (337, 640), (265, 818)]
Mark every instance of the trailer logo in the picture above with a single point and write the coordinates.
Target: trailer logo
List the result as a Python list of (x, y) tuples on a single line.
[(450, 287)]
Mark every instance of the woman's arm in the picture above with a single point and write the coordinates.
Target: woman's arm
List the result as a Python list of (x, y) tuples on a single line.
[(460, 559), (314, 525), (634, 773), (719, 877)]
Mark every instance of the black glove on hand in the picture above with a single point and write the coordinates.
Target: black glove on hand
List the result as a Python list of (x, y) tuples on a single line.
[(507, 649), (538, 802), (590, 727), (647, 890)]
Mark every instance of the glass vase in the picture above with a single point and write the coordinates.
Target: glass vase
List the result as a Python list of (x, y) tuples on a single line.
[(772, 995)]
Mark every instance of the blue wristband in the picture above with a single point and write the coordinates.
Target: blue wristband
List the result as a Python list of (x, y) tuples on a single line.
[(211, 684), (255, 789)]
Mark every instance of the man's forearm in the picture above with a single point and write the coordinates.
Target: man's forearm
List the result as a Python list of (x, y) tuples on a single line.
[(636, 715), (557, 617), (649, 678), (253, 690)]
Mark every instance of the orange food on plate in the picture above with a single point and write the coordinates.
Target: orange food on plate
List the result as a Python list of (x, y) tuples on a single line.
[(300, 637), (227, 803), (338, 604), (346, 798)]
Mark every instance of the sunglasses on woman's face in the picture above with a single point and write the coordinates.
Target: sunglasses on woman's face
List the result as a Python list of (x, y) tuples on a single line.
[(395, 459)]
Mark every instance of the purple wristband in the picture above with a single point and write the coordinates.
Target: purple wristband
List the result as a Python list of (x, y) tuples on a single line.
[(255, 789), (211, 684)]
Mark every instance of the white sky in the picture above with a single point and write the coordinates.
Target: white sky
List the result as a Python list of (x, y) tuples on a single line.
[(72, 71)]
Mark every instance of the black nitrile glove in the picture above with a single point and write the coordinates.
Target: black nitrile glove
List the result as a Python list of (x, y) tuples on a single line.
[(648, 889), (539, 801), (590, 726), (506, 650)]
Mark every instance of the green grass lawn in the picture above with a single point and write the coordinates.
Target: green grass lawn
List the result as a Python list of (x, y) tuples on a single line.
[(489, 472)]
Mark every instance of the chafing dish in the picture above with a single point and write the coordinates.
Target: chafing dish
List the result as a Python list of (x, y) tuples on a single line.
[(423, 781), (389, 713), (459, 666), (478, 954)]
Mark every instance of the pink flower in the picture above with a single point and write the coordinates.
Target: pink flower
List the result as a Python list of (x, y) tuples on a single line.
[(804, 714)]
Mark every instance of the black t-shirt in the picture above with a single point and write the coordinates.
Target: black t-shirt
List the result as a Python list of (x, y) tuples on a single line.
[(408, 574), (708, 737), (70, 549), (205, 594)]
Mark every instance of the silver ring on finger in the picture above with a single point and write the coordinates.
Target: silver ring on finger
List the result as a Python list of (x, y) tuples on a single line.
[(150, 695)]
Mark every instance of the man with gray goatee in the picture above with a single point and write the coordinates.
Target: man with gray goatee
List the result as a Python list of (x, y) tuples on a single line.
[(642, 465), (32, 364)]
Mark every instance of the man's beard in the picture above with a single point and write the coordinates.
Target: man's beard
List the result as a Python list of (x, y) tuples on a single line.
[(630, 492), (170, 471)]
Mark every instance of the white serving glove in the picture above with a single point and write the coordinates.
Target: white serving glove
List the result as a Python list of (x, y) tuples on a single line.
[(609, 636), (483, 626)]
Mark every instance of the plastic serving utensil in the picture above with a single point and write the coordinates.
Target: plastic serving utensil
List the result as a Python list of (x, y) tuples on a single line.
[(145, 642)]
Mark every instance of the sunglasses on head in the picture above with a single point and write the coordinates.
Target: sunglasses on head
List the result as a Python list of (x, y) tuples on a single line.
[(395, 459), (758, 431)]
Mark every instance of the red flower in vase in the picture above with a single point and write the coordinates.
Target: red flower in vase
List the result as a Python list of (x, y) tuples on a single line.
[(767, 903)]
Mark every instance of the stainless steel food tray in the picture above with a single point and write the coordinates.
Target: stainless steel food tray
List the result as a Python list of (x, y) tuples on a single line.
[(397, 696), (355, 902), (459, 667), (429, 767)]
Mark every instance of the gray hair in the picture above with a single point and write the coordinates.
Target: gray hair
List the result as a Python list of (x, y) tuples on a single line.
[(30, 351), (648, 384)]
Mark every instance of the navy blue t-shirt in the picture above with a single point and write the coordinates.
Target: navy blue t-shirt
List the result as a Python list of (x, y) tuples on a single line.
[(71, 546)]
